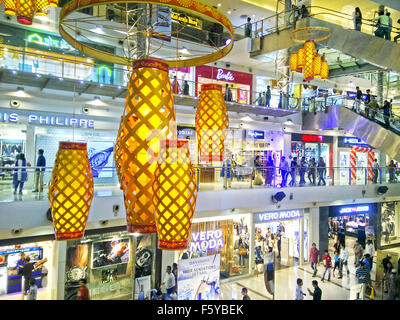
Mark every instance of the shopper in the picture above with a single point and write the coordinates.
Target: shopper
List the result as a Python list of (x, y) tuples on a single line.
[(357, 101), (304, 11), (185, 88), (327, 260), (293, 168), (175, 86), (21, 264), (388, 34), (383, 25), (343, 261), (375, 171), (317, 294), (20, 175), (169, 280), (321, 169), (247, 30), (393, 284), (371, 108), (279, 242), (270, 170), (358, 252), (385, 262), (268, 96), (39, 172), (245, 295), (299, 290), (370, 249), (228, 93), (175, 273), (357, 19), (303, 170), (362, 276), (284, 168), (392, 171), (311, 171), (337, 262), (314, 258), (367, 100), (32, 290), (242, 254), (27, 273), (83, 292), (337, 246), (386, 112)]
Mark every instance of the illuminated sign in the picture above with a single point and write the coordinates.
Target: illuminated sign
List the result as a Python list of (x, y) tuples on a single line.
[(226, 76), (355, 209), (202, 241), (50, 42), (353, 141), (19, 250), (278, 215), (49, 120), (256, 134), (184, 19), (311, 138)]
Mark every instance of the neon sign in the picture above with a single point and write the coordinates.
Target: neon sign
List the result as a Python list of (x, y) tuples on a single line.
[(311, 138), (202, 241), (279, 215), (353, 141), (182, 18), (50, 42), (227, 76), (255, 134), (356, 209)]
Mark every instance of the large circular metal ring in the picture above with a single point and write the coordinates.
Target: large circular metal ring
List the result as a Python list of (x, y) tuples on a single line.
[(188, 5), (321, 29)]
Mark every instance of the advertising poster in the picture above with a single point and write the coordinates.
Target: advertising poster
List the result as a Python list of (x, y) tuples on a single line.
[(142, 287), (144, 256), (77, 260), (110, 252), (198, 279), (101, 158)]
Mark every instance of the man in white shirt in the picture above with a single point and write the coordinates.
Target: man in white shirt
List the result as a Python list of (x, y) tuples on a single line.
[(343, 260), (169, 280)]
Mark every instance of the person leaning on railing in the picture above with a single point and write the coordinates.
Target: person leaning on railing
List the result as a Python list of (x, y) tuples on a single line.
[(373, 105)]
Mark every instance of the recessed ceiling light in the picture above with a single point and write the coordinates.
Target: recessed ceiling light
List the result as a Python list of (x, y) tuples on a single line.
[(229, 11), (218, 4)]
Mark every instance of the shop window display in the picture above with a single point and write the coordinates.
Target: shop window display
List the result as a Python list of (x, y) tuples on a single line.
[(390, 220)]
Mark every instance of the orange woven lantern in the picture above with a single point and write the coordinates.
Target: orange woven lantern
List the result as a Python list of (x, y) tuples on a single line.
[(324, 70), (150, 100), (211, 123), (174, 195), (309, 48), (10, 7), (42, 7), (317, 65), (300, 59), (293, 62), (25, 11), (71, 190)]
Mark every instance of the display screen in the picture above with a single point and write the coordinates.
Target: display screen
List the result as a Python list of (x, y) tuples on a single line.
[(110, 252)]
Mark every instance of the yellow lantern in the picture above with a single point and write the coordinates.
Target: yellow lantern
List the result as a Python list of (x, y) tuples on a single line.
[(317, 65), (42, 7), (293, 62), (150, 100), (174, 195), (10, 7), (25, 11), (309, 48), (324, 70), (53, 3), (211, 123), (71, 190), (300, 59)]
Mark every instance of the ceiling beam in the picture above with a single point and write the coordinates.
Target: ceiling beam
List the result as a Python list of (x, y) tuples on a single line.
[(85, 89), (353, 70)]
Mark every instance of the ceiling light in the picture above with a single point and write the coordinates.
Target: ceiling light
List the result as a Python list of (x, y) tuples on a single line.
[(246, 118), (228, 41), (288, 121), (14, 72), (119, 87), (184, 51), (20, 93), (19, 89), (98, 29), (218, 4), (229, 11)]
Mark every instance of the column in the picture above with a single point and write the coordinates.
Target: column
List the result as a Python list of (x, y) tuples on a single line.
[(252, 245), (301, 242), (380, 88), (287, 145), (58, 274), (30, 154)]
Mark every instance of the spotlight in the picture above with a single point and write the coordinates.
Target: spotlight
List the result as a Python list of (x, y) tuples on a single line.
[(382, 190), (277, 197)]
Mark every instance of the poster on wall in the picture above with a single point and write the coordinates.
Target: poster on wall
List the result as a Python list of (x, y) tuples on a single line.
[(110, 252), (198, 279), (144, 256), (10, 148), (101, 158), (142, 287), (77, 261)]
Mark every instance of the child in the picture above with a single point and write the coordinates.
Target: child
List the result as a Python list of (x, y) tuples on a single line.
[(336, 258), (32, 290), (326, 258), (299, 291)]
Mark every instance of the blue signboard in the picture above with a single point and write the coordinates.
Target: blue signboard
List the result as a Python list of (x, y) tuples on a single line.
[(256, 134), (277, 215), (354, 209)]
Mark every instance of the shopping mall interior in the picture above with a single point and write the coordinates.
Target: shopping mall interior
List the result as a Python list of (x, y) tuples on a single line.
[(185, 150)]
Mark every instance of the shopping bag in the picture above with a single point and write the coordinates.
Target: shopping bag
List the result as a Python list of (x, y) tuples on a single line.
[(258, 180)]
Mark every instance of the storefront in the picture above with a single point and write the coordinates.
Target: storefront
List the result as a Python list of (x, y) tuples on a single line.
[(115, 265), (240, 83), (11, 279), (227, 236), (289, 222)]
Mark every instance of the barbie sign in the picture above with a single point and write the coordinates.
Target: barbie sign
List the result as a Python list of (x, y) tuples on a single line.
[(227, 76)]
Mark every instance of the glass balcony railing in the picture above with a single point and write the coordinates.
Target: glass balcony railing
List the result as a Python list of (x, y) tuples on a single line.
[(208, 178)]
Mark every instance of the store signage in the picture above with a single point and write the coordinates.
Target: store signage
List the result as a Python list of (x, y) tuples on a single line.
[(50, 42), (354, 140), (278, 215), (354, 209), (205, 240), (50, 120), (225, 76), (184, 19), (186, 131), (312, 138), (19, 250), (258, 135)]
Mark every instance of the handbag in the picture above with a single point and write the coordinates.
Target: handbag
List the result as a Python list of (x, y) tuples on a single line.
[(243, 251), (258, 180)]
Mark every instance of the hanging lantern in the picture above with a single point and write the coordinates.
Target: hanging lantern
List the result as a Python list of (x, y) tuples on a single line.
[(10, 7), (150, 100), (25, 11), (293, 62), (42, 7), (70, 190), (53, 3), (309, 48), (324, 70), (300, 59), (317, 66), (211, 123), (174, 195)]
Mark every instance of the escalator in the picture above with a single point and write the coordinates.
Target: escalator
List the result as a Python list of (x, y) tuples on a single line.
[(375, 133), (371, 49)]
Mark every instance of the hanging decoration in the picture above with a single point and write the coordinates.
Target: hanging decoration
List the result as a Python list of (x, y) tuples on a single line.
[(70, 190), (308, 60), (26, 9), (211, 123), (293, 62), (174, 195)]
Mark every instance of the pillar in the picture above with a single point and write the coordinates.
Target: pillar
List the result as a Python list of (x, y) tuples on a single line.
[(380, 88), (323, 229), (252, 245), (301, 242), (30, 154), (58, 274)]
